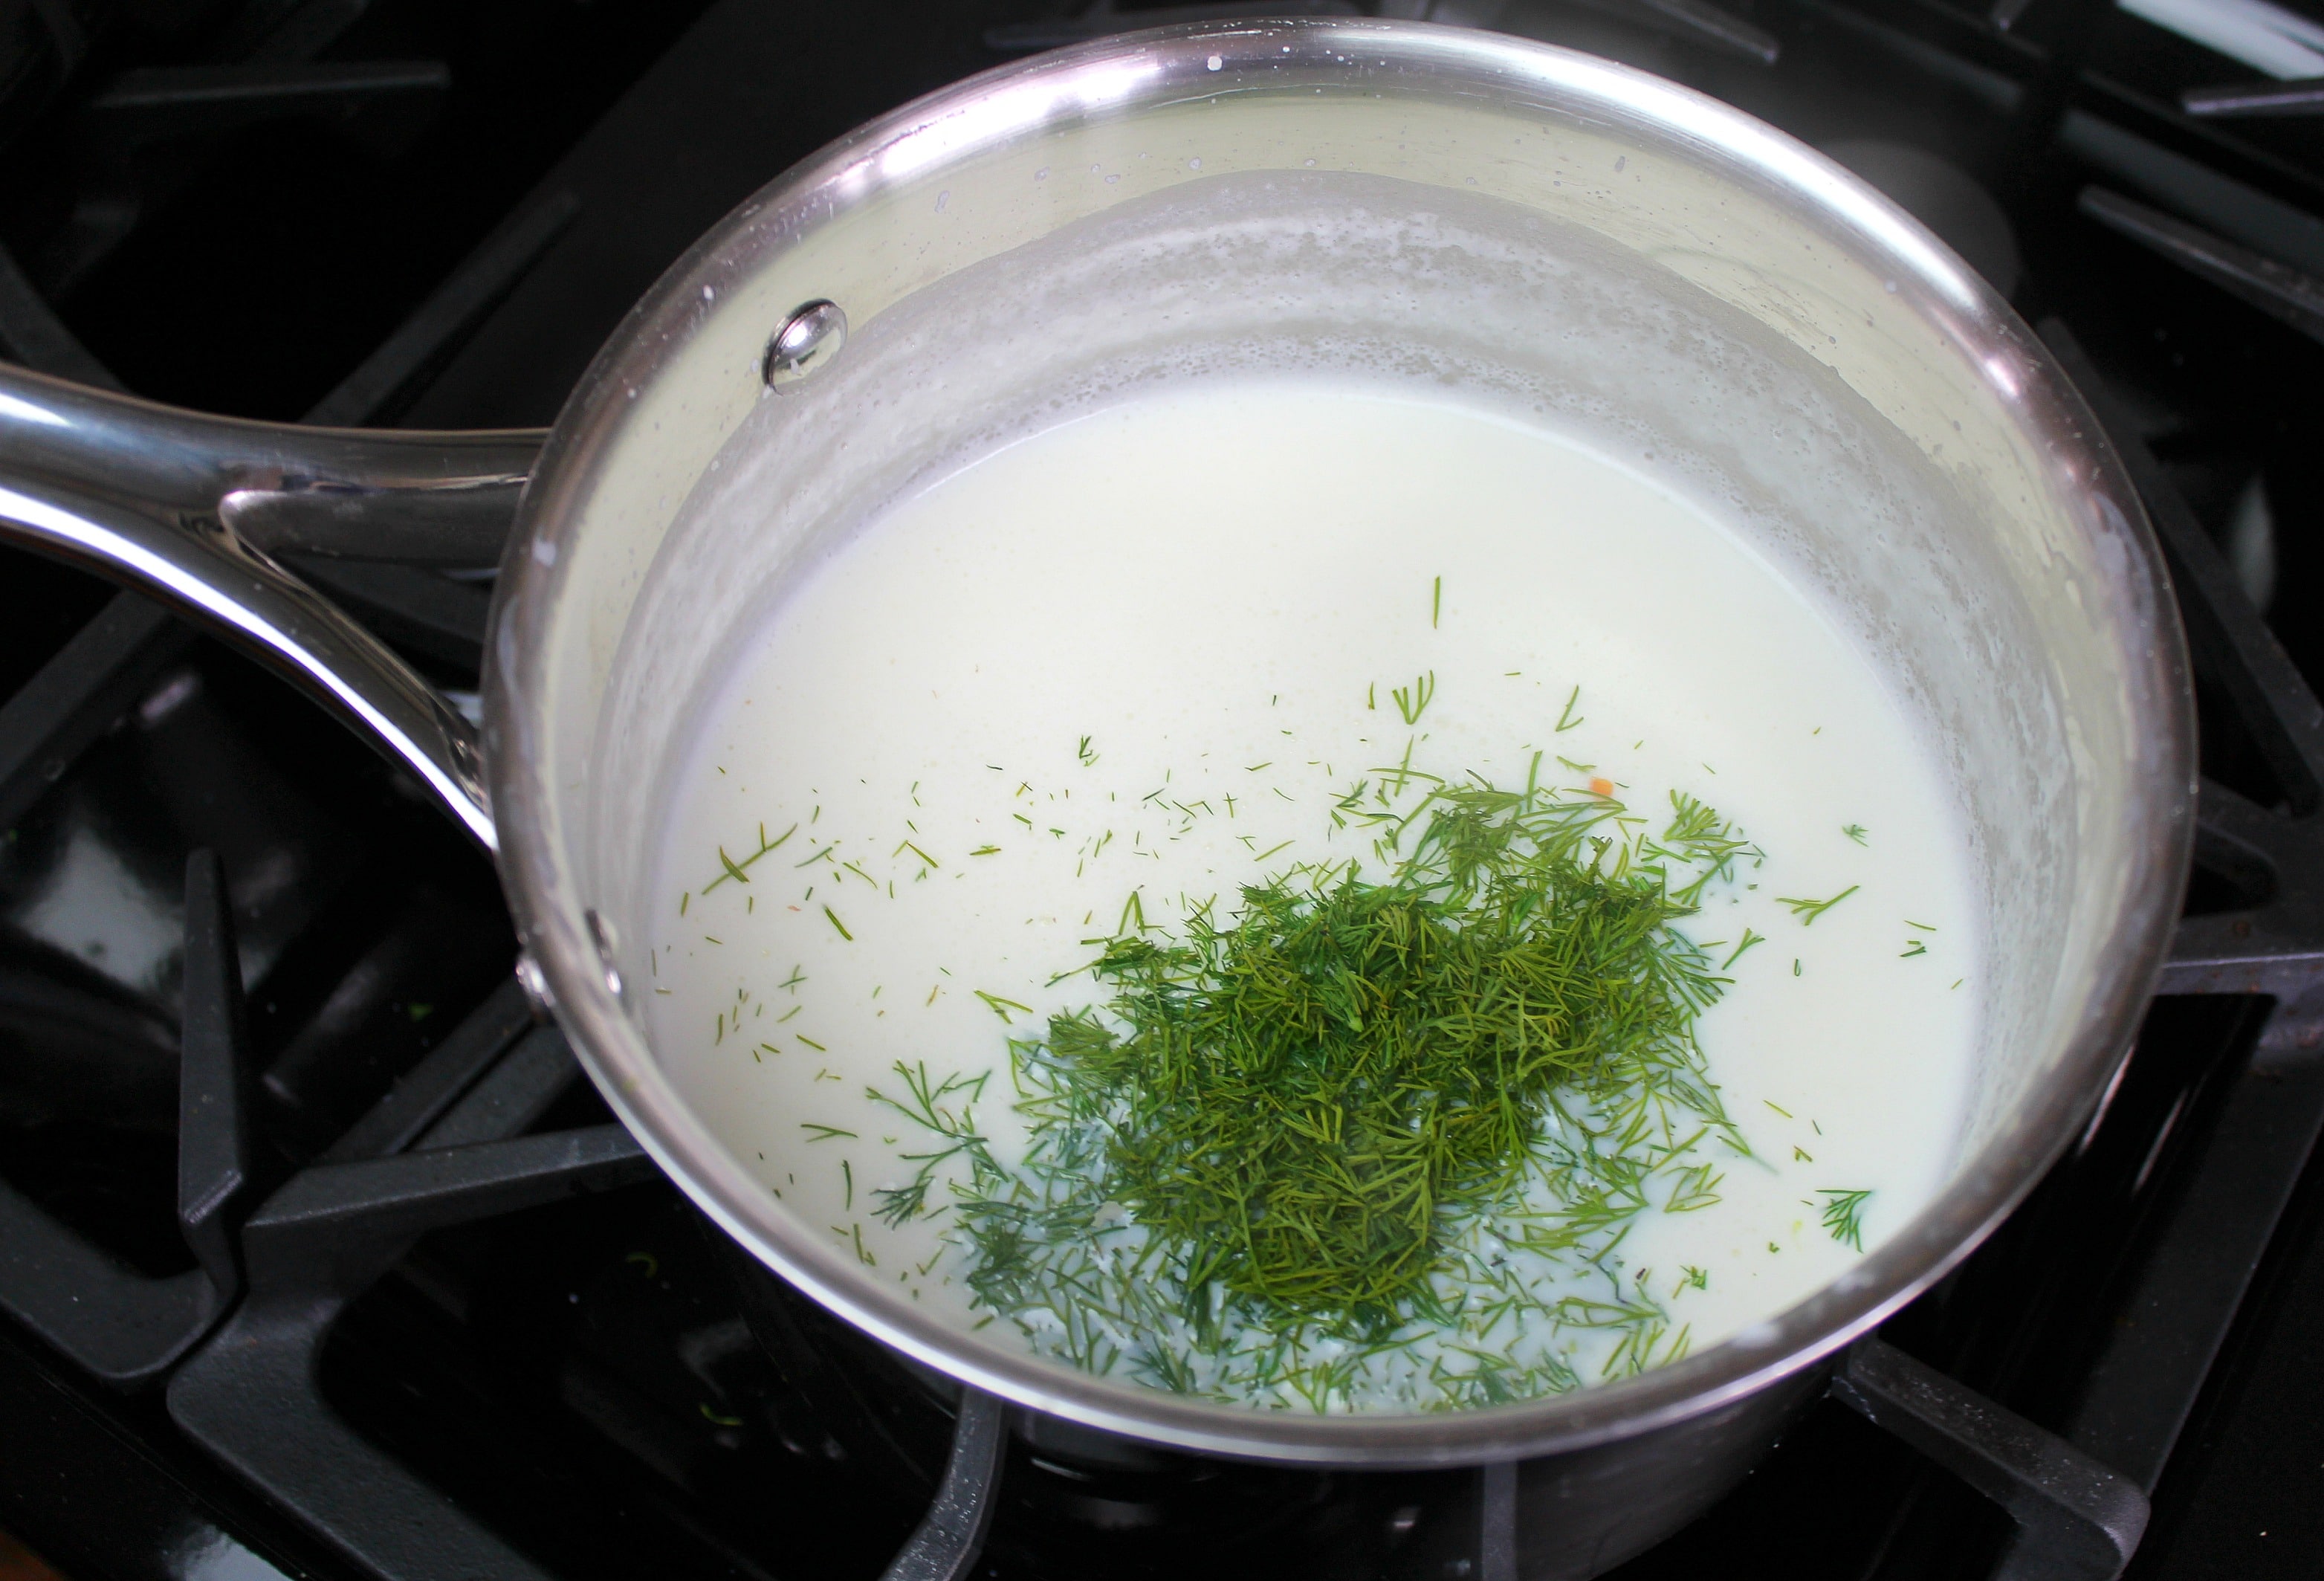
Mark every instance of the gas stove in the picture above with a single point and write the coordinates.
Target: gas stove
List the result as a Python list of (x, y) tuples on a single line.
[(317, 1259)]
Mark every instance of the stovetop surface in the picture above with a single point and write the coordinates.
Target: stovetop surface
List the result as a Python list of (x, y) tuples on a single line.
[(573, 1376)]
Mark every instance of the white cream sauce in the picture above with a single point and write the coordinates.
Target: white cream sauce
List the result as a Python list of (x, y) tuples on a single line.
[(1145, 651)]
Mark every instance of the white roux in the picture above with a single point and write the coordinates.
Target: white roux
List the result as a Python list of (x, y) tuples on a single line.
[(1212, 578)]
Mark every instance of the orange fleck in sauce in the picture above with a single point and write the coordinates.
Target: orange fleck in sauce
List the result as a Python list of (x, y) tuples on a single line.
[(1602, 787)]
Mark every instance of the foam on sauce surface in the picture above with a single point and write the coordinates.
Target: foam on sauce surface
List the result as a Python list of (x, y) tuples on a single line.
[(1146, 652)]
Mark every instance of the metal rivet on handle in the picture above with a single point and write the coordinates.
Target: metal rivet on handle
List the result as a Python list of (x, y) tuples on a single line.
[(807, 340), (535, 984), (601, 934)]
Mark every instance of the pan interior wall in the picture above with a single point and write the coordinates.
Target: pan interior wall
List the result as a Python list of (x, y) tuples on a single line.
[(1416, 290)]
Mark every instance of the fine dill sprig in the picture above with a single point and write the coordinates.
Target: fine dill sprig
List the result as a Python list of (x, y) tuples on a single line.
[(925, 1102), (1696, 1188), (740, 871), (1000, 1006), (1565, 720), (1698, 837), (1412, 700), (1843, 1215), (1807, 911)]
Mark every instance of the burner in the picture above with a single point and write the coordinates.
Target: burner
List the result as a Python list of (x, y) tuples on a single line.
[(349, 1274)]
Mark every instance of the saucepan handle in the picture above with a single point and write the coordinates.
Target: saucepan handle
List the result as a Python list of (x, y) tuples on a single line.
[(192, 509)]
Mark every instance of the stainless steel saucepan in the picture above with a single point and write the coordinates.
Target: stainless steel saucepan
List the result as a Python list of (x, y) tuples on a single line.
[(1648, 263)]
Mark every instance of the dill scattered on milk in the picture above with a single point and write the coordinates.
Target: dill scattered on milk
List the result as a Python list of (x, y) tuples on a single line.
[(1288, 1143)]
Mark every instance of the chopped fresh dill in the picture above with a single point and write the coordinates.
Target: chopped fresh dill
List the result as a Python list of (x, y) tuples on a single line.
[(1807, 911), (823, 1133), (1854, 832), (1912, 946), (1843, 1215), (1435, 603), (986, 851), (835, 922), (1288, 1144)]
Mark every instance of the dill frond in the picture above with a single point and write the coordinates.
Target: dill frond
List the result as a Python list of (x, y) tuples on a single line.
[(1288, 1141)]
